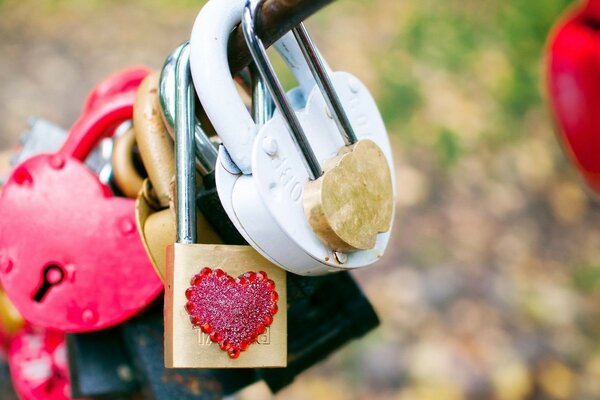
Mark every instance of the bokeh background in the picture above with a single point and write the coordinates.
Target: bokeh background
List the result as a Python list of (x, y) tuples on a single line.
[(491, 287)]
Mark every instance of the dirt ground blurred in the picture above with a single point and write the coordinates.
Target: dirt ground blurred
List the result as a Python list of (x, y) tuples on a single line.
[(491, 288)]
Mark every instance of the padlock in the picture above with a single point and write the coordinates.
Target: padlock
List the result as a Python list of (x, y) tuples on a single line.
[(99, 365), (267, 205), (156, 223), (350, 201), (70, 256), (126, 174), (212, 318), (38, 365), (573, 81)]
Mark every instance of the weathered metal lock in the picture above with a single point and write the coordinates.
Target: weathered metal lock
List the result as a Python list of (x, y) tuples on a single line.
[(261, 177), (38, 365), (70, 256), (212, 318)]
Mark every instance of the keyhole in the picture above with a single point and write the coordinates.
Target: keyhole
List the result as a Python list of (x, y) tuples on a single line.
[(53, 276)]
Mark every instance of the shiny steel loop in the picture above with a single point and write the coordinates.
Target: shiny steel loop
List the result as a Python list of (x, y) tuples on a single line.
[(321, 75), (184, 126)]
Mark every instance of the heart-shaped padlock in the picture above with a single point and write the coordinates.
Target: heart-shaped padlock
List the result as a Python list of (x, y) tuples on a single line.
[(38, 365), (573, 65), (70, 255)]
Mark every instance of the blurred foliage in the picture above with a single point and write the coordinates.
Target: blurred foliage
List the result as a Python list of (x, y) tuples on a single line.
[(491, 287)]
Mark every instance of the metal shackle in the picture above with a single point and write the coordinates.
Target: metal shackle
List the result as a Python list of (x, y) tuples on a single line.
[(205, 150), (183, 116), (321, 75)]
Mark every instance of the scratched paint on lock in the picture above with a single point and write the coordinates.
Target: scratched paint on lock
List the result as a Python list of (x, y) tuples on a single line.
[(57, 214)]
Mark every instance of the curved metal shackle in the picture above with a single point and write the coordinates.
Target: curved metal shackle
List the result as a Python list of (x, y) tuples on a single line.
[(205, 150), (185, 166), (321, 75), (215, 87)]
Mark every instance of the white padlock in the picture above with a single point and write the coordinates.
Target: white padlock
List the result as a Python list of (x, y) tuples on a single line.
[(261, 175)]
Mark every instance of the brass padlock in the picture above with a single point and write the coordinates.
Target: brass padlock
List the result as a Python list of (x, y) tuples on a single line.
[(221, 301)]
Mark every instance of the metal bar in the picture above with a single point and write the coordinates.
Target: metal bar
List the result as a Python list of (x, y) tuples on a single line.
[(277, 92), (184, 150), (323, 79), (262, 103), (275, 18)]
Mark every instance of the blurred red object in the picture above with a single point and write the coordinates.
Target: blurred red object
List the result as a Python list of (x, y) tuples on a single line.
[(38, 365), (573, 64)]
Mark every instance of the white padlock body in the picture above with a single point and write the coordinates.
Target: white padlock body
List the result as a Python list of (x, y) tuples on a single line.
[(280, 178)]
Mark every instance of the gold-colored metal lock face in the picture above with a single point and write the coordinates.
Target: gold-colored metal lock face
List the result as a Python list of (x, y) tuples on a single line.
[(353, 201), (127, 177), (231, 307), (154, 141)]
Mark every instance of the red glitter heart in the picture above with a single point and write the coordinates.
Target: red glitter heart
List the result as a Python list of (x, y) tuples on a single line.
[(232, 311)]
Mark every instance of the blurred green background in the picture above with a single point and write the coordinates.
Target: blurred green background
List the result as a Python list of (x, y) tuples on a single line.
[(491, 287)]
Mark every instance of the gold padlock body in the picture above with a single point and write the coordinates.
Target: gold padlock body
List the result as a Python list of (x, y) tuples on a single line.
[(126, 176), (153, 139), (353, 201), (187, 346)]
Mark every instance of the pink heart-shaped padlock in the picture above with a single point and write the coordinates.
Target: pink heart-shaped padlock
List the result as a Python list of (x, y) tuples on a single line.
[(70, 255)]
